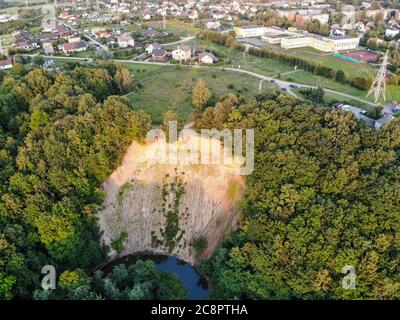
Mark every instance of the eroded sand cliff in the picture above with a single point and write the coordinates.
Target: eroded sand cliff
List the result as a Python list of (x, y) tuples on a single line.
[(164, 207)]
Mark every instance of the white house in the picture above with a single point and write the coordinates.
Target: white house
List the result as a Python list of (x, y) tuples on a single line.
[(48, 48), (6, 64), (207, 58), (182, 53), (152, 46), (214, 25), (125, 40), (392, 32), (193, 15)]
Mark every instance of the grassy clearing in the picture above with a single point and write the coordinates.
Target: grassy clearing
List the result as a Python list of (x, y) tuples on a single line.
[(393, 93), (180, 28), (308, 49), (330, 98), (60, 62), (235, 58), (308, 78), (7, 40), (274, 68), (169, 88), (354, 69)]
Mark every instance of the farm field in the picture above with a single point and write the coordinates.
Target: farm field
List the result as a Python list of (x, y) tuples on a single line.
[(169, 88)]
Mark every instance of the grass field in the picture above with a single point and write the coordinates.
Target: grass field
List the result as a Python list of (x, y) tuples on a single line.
[(169, 88), (180, 28), (33, 4), (237, 58), (330, 98), (271, 67), (354, 69)]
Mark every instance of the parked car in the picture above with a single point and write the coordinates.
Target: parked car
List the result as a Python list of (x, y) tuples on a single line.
[(396, 109), (273, 81), (295, 86)]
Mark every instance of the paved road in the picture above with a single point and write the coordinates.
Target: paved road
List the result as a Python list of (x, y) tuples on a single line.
[(285, 85)]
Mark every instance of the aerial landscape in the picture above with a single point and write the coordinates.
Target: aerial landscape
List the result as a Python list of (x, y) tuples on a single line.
[(204, 150)]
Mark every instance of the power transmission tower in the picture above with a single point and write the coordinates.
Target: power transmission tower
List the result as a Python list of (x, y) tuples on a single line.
[(378, 87)]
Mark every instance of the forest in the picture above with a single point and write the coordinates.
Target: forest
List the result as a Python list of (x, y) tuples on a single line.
[(324, 194), (61, 135)]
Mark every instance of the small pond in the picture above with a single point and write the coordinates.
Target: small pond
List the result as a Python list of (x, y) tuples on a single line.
[(196, 286)]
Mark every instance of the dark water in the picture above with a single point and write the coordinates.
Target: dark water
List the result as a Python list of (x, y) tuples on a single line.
[(196, 286)]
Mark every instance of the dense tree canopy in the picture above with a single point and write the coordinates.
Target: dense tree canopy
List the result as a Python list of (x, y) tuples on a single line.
[(61, 135)]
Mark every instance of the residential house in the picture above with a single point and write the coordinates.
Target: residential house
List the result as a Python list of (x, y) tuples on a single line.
[(152, 46), (6, 64), (182, 53), (74, 39), (213, 25), (48, 48), (207, 58), (151, 33), (27, 43), (47, 37), (48, 62), (159, 55), (193, 15), (73, 47), (392, 32)]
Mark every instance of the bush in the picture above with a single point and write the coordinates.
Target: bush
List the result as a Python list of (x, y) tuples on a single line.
[(199, 245)]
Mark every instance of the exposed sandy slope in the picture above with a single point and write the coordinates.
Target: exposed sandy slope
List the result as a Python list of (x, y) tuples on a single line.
[(209, 204)]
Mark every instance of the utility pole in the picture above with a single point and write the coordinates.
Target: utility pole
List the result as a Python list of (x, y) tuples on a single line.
[(378, 87)]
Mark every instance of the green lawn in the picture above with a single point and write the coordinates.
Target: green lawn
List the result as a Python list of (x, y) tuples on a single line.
[(308, 49), (169, 88), (353, 69), (271, 67), (180, 28), (234, 58), (7, 40), (393, 93), (308, 78)]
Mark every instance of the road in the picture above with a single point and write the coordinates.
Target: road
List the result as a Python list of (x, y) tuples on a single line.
[(104, 47), (285, 85)]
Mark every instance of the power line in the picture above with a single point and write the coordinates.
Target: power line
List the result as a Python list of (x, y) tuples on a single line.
[(378, 87)]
